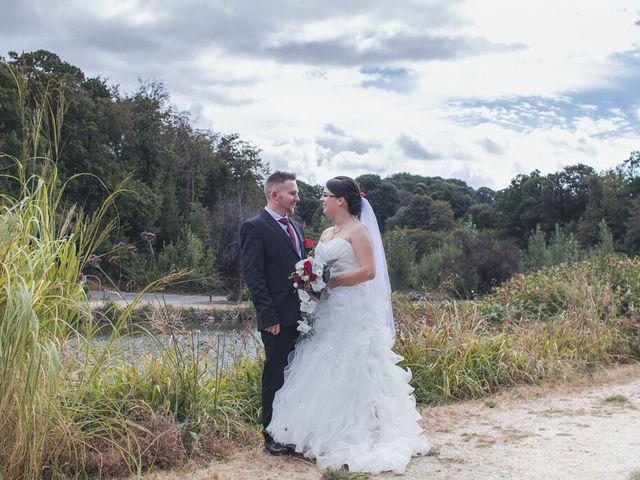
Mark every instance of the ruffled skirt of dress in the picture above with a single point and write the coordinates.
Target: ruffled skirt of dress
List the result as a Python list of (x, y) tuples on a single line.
[(345, 401)]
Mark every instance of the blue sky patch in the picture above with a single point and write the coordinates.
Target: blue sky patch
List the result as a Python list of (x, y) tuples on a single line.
[(387, 78), (618, 102)]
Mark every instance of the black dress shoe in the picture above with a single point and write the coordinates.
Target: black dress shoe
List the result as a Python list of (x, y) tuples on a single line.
[(275, 448)]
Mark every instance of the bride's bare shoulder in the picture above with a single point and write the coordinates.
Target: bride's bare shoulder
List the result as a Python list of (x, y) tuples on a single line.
[(360, 229), (359, 233)]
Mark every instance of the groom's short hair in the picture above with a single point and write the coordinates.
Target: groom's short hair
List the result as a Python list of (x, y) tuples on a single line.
[(277, 178)]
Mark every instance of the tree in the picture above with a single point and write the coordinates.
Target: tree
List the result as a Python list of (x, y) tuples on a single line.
[(424, 212), (537, 255), (630, 171), (631, 240), (309, 209), (10, 117), (245, 169), (485, 195), (558, 198), (400, 253), (425, 241), (609, 200), (456, 192), (469, 263), (563, 247), (484, 216), (414, 215), (571, 192), (605, 240), (225, 235), (147, 148), (440, 216), (383, 196), (520, 206), (189, 252), (369, 182)]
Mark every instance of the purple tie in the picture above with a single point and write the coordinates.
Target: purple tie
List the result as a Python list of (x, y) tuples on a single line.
[(292, 235)]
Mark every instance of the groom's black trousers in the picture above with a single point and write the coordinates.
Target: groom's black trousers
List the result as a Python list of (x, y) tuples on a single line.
[(277, 349)]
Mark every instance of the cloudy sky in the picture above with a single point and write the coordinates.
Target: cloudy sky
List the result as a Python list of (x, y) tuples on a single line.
[(479, 90)]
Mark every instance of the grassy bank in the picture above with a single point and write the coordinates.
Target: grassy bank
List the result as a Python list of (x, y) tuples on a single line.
[(548, 325), (158, 315)]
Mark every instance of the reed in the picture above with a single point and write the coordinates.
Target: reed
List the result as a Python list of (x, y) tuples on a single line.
[(47, 425), (94, 411), (42, 303)]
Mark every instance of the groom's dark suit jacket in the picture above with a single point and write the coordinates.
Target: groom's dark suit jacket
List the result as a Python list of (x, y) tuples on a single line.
[(268, 258)]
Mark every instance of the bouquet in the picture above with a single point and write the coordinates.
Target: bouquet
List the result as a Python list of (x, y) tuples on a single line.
[(310, 280)]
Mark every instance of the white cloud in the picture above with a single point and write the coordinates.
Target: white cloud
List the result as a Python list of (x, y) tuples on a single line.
[(476, 89)]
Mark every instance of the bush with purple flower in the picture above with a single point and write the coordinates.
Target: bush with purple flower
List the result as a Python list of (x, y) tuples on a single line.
[(148, 236), (94, 260)]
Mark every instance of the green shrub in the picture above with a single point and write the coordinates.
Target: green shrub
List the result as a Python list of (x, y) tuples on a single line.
[(400, 253), (468, 264), (597, 288), (440, 269), (189, 253)]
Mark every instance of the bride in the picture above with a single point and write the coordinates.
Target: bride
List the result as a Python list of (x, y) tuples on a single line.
[(344, 400)]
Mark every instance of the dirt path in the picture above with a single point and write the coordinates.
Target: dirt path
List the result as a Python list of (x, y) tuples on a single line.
[(584, 430)]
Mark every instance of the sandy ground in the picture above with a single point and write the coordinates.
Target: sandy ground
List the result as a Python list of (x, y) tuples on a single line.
[(563, 431)]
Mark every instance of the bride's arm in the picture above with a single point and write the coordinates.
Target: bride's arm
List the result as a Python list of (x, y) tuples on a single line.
[(363, 249)]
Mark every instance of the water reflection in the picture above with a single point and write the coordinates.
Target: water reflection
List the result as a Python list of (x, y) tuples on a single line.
[(220, 346)]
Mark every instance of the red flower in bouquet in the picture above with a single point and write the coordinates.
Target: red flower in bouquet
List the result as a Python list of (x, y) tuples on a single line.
[(308, 243), (309, 280)]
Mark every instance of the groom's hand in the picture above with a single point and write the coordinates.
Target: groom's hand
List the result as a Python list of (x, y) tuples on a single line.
[(273, 329)]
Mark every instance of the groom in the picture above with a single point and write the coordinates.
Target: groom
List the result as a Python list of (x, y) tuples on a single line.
[(271, 244)]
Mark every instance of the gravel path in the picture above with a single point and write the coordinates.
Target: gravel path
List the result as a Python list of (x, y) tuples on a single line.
[(588, 429)]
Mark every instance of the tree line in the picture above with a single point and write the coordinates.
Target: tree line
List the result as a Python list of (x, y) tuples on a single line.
[(187, 190)]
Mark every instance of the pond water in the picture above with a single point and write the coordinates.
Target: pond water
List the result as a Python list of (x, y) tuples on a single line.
[(222, 346)]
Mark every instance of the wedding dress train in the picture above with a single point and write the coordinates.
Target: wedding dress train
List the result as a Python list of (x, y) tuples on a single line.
[(345, 401)]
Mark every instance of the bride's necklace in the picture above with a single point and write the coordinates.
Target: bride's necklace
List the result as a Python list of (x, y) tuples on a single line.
[(338, 228)]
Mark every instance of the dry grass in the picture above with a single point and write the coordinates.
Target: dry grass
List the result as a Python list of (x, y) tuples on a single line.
[(331, 474), (558, 323), (617, 399)]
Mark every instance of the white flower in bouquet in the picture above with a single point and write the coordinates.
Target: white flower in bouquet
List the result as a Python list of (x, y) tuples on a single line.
[(303, 296), (318, 285), (310, 280), (307, 304), (308, 307), (304, 327)]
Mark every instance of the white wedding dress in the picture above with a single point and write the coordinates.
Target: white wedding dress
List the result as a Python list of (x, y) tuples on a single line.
[(345, 401)]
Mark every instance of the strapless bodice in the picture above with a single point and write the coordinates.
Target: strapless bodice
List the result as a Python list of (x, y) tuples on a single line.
[(341, 251)]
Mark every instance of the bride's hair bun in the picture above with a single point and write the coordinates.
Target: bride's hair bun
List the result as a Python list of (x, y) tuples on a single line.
[(348, 189)]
